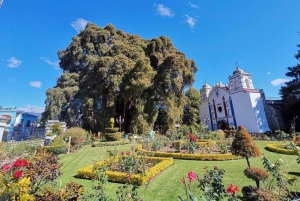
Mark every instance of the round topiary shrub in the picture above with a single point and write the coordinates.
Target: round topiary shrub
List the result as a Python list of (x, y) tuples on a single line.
[(76, 134), (256, 174), (113, 136)]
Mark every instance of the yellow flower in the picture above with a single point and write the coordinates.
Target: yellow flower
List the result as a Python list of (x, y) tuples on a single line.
[(289, 178)]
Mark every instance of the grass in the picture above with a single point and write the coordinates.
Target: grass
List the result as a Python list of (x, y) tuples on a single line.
[(167, 185)]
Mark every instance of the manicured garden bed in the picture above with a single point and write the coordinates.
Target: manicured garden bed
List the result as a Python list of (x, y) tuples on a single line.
[(163, 186), (187, 156), (277, 147), (122, 177)]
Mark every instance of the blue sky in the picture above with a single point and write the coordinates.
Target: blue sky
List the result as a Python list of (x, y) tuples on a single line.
[(260, 35)]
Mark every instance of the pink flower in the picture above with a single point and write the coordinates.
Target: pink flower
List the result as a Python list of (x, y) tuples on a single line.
[(127, 153), (6, 168), (132, 148), (192, 176), (122, 153), (18, 174)]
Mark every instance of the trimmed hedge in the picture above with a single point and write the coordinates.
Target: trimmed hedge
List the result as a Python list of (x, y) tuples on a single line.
[(276, 148), (120, 177), (113, 136), (187, 156), (58, 149), (110, 143)]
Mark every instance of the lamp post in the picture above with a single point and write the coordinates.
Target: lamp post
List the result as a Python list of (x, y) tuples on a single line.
[(120, 120)]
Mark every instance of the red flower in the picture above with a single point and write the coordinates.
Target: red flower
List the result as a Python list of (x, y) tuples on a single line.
[(122, 153), (127, 153), (132, 148), (18, 163), (236, 189), (215, 167), (18, 174), (6, 168), (230, 189), (25, 163), (192, 176), (183, 180)]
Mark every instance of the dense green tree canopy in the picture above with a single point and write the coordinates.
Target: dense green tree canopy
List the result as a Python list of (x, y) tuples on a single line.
[(290, 93), (191, 109), (109, 73)]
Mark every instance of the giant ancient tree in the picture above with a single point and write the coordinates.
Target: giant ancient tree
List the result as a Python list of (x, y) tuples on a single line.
[(290, 93), (113, 73)]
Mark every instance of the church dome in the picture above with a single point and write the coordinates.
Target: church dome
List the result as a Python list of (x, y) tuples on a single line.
[(238, 71), (206, 86)]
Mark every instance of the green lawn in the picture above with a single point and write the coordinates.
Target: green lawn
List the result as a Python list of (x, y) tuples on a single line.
[(167, 185)]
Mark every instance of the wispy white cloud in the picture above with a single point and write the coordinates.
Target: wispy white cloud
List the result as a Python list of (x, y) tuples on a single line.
[(164, 11), (36, 84), (55, 64), (269, 73), (79, 24), (32, 109), (13, 62), (278, 81), (193, 5), (191, 21)]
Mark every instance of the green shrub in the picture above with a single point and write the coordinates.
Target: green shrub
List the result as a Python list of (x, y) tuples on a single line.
[(178, 144), (75, 133), (113, 136), (114, 143), (57, 141), (59, 149), (56, 129)]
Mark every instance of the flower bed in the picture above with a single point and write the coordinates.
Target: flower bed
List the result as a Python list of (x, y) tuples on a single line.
[(120, 177), (187, 156), (276, 148)]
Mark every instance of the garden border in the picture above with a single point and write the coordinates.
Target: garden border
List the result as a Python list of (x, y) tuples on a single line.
[(203, 157), (274, 148), (88, 173)]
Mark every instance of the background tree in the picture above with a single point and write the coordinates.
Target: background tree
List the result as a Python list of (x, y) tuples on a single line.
[(191, 115), (119, 74), (290, 93)]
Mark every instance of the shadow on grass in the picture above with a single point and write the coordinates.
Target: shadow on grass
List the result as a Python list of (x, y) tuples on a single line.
[(294, 173)]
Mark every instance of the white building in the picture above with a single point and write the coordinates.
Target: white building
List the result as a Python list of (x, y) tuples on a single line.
[(234, 104)]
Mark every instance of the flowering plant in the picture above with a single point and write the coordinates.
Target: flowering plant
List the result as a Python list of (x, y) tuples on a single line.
[(189, 195), (128, 162), (231, 190), (191, 143), (212, 185), (13, 182)]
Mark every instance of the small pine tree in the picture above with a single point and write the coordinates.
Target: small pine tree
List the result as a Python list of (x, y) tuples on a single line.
[(243, 145)]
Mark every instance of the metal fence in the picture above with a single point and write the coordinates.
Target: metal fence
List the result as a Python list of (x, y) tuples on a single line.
[(20, 133)]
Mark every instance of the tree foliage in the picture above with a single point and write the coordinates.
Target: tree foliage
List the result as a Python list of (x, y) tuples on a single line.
[(243, 145), (290, 93), (191, 109), (109, 73)]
